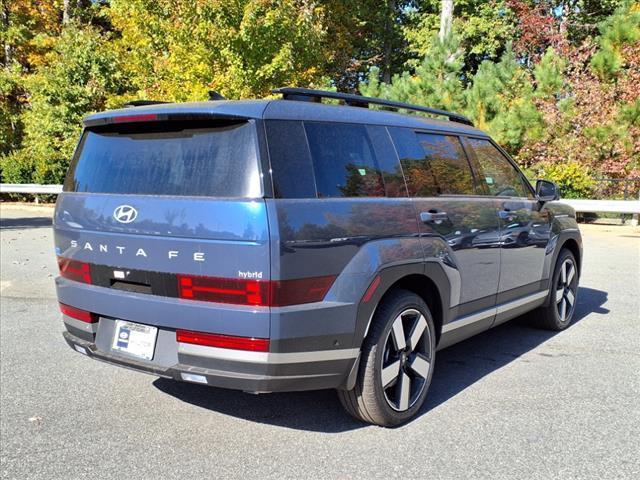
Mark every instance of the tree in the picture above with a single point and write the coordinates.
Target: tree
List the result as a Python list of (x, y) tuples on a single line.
[(178, 50), (482, 27), (593, 123), (579, 19), (363, 34), (80, 76), (26, 29), (435, 82), (537, 30), (11, 104), (500, 100), (446, 19)]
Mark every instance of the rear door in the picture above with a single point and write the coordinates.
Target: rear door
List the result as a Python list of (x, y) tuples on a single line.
[(146, 201), (524, 226), (458, 226)]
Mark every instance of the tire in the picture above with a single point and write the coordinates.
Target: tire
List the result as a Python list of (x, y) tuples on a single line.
[(402, 318), (563, 295)]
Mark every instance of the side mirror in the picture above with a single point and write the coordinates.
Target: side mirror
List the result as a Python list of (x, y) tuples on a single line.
[(546, 191)]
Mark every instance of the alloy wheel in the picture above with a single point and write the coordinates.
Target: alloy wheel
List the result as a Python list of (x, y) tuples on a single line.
[(406, 360), (566, 290)]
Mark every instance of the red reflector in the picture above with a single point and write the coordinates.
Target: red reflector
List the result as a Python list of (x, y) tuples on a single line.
[(223, 341), (371, 290), (224, 290), (301, 290), (135, 118), (254, 292), (78, 314), (74, 270)]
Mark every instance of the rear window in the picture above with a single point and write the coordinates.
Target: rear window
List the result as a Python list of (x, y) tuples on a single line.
[(168, 158)]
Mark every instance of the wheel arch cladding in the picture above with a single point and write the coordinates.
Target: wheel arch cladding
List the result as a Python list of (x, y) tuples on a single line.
[(434, 289), (425, 288), (572, 245), (572, 241)]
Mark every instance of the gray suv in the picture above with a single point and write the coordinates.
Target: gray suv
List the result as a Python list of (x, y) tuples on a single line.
[(291, 244)]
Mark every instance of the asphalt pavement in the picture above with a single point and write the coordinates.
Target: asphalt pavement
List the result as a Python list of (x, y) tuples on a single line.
[(513, 402)]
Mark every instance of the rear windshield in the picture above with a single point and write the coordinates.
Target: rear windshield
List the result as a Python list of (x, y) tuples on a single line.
[(168, 158)]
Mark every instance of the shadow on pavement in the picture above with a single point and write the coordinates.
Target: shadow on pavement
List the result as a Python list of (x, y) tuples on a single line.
[(457, 368), (24, 223)]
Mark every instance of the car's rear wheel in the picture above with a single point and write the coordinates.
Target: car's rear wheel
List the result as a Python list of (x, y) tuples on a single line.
[(561, 305), (397, 362)]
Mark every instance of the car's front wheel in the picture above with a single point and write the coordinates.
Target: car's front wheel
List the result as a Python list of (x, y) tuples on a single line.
[(561, 305), (397, 362)]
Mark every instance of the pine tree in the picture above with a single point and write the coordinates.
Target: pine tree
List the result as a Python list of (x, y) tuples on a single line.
[(500, 100), (436, 82)]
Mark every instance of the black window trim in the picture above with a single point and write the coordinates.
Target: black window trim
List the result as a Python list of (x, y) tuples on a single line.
[(264, 160), (395, 150)]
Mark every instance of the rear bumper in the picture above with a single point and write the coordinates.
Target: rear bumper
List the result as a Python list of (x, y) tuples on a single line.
[(310, 344), (196, 364)]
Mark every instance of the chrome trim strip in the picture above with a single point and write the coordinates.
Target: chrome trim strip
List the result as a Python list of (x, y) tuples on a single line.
[(469, 319), (267, 357), (505, 307), (484, 314), (80, 325)]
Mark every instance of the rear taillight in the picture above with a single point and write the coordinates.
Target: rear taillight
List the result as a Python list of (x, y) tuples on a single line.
[(254, 292), (223, 290), (74, 270), (223, 341), (78, 314), (300, 290)]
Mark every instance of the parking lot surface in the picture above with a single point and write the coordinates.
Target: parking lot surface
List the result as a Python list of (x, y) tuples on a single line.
[(513, 402)]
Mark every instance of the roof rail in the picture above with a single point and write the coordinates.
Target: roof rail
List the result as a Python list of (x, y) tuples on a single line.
[(309, 95), (142, 103)]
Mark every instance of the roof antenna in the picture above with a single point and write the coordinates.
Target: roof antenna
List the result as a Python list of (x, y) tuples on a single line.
[(213, 95)]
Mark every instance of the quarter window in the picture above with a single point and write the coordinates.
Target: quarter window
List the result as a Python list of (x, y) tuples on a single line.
[(498, 174), (344, 162)]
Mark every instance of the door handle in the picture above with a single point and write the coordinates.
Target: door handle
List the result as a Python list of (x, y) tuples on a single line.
[(506, 214), (427, 217)]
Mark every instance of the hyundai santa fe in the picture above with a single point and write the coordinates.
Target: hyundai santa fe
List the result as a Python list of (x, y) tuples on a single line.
[(290, 244)]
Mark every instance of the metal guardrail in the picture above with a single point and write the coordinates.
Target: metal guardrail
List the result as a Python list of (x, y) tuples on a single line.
[(30, 188), (604, 206), (594, 206)]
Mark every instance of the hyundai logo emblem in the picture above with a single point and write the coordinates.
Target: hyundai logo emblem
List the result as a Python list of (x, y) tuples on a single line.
[(125, 214)]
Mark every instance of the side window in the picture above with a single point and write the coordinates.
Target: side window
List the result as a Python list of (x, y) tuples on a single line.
[(496, 172), (433, 164), (344, 162)]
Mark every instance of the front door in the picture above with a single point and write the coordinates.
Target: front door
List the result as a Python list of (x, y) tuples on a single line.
[(524, 226)]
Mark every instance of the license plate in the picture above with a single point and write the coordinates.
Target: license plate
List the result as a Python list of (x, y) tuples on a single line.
[(134, 339)]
